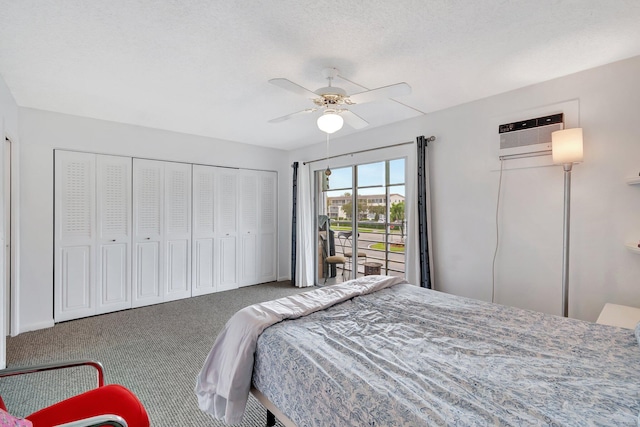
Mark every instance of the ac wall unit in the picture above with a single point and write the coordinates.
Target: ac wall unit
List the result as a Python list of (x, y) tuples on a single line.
[(529, 136)]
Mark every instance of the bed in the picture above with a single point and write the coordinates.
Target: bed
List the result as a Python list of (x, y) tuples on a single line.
[(378, 351)]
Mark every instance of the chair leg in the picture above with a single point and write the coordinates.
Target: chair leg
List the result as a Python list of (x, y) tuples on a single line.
[(325, 272), (358, 263)]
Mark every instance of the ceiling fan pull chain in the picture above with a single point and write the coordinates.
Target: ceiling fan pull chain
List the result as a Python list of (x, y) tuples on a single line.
[(328, 171)]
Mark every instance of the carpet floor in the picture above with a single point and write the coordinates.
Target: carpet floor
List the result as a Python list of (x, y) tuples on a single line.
[(155, 351)]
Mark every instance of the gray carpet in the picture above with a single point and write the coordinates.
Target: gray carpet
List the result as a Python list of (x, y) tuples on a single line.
[(155, 351)]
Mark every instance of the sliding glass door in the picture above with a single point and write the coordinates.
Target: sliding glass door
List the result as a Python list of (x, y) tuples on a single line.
[(361, 221)]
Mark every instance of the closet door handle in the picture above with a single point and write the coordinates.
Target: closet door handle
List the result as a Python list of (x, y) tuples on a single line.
[(113, 240)]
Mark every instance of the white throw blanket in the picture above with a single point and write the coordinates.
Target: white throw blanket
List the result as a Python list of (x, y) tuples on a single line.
[(224, 382)]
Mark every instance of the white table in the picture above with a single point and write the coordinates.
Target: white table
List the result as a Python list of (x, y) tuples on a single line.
[(619, 315)]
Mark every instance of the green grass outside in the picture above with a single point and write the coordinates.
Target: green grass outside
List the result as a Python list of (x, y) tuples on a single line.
[(363, 229), (393, 248)]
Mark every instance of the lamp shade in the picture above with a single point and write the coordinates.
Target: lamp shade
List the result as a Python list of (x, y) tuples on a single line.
[(566, 146), (330, 122)]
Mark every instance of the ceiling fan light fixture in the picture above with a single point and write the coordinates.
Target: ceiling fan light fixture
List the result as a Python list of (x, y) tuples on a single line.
[(330, 122)]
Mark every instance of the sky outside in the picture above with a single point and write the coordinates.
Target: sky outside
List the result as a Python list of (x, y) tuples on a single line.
[(369, 175)]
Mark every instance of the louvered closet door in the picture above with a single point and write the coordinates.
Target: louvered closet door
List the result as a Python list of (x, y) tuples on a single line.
[(75, 230), (249, 217), (148, 210), (268, 214), (204, 239), (227, 253), (177, 231), (113, 267)]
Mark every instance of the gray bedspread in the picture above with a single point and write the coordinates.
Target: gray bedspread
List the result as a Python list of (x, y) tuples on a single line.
[(406, 356), (223, 384)]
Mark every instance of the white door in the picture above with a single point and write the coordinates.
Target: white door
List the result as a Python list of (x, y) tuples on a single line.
[(75, 229), (148, 203), (6, 173), (227, 228), (113, 266), (268, 215), (249, 215), (4, 284), (204, 240), (177, 231)]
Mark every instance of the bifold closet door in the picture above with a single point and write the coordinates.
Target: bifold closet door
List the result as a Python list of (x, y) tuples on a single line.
[(204, 230), (267, 237), (148, 219), (92, 273), (162, 231), (113, 249), (75, 230), (258, 230), (177, 230), (228, 249), (249, 227)]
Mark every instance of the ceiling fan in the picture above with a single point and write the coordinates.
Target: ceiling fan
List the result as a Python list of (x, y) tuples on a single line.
[(332, 100)]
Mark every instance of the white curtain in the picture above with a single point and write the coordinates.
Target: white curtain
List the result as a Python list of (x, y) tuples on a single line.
[(412, 262), (304, 229)]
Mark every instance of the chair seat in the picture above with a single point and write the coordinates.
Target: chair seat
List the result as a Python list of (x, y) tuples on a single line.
[(350, 255), (110, 399), (335, 259)]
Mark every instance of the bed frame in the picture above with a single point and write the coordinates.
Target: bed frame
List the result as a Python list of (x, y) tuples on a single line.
[(272, 411)]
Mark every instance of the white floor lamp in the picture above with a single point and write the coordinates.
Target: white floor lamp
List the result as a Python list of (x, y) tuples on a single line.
[(566, 146)]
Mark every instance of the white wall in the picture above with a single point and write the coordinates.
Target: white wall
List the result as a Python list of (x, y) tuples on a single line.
[(41, 132), (464, 185), (8, 110)]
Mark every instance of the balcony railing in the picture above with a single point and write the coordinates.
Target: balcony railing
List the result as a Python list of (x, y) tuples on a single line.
[(381, 242)]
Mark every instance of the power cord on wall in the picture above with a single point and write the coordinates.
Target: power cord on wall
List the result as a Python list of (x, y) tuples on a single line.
[(495, 252)]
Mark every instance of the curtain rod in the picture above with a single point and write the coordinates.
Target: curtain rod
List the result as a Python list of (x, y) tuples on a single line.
[(358, 152)]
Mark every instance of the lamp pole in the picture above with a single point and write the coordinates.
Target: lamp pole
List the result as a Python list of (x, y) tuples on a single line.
[(566, 149), (565, 241)]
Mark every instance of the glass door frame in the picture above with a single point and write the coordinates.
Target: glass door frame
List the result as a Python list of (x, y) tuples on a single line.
[(354, 162)]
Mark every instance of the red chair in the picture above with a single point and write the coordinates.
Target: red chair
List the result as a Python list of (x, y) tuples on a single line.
[(106, 405)]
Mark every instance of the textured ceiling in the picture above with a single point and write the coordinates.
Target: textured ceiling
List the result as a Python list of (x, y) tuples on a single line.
[(202, 66)]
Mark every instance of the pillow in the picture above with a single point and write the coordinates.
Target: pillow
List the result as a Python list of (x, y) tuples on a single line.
[(8, 420)]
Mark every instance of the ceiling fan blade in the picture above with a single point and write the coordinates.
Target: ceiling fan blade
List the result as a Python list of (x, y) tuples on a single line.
[(293, 87), (384, 92), (354, 120), (293, 115)]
